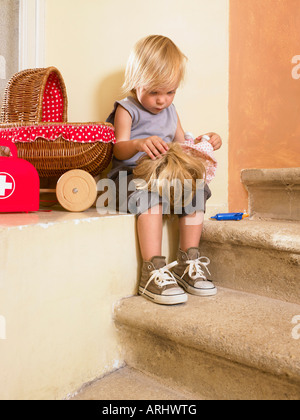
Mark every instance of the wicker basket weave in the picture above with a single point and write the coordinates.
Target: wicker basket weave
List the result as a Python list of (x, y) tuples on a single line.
[(52, 158), (27, 102), (25, 96)]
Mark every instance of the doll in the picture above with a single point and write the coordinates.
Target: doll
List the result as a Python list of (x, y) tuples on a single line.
[(184, 162)]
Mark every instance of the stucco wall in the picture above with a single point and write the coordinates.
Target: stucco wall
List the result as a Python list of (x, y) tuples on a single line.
[(264, 89)]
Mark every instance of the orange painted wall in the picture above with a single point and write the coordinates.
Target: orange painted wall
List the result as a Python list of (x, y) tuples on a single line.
[(264, 89)]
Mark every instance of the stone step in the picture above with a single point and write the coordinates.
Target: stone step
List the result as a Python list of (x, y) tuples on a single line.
[(273, 193), (261, 257), (129, 384), (234, 345)]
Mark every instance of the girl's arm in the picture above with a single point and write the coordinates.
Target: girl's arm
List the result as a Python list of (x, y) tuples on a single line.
[(123, 149), (215, 139), (179, 135), (126, 148)]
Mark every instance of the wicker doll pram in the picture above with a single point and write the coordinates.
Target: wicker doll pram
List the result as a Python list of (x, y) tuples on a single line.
[(34, 117)]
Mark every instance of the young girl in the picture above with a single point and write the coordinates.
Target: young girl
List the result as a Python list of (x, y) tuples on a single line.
[(145, 122)]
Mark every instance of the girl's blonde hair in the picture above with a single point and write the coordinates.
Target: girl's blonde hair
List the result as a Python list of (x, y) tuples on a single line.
[(178, 164), (155, 62)]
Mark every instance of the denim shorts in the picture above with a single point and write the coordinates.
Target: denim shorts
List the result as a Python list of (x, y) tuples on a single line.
[(134, 201)]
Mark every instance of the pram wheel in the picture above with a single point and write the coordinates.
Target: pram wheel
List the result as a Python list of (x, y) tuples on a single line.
[(76, 190)]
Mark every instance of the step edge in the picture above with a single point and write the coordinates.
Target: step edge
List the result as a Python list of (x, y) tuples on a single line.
[(284, 367), (270, 234), (276, 176)]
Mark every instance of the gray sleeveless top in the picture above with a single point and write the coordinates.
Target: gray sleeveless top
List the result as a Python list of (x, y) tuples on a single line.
[(144, 124)]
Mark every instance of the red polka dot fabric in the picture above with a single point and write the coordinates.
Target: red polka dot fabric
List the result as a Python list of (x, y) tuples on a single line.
[(53, 102), (74, 132), (206, 152)]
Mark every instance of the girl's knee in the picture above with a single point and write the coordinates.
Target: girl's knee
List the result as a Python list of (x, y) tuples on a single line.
[(195, 218), (155, 210)]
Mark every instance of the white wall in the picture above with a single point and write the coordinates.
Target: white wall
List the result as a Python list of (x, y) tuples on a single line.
[(90, 40)]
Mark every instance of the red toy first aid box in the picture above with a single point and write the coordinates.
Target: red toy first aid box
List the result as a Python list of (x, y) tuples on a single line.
[(19, 183)]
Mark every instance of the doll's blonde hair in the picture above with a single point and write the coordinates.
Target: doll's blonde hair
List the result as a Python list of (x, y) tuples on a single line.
[(155, 62), (180, 164)]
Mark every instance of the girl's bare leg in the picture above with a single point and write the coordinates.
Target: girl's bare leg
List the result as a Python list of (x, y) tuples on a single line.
[(149, 227), (190, 229)]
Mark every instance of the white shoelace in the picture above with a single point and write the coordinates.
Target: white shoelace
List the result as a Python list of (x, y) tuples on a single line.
[(194, 269), (162, 276)]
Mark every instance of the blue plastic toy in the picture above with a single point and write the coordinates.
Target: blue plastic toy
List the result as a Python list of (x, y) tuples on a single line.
[(230, 216)]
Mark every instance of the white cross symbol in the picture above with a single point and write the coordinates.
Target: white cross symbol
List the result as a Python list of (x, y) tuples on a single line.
[(4, 185)]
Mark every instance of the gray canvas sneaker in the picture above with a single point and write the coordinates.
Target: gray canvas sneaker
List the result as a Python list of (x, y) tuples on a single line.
[(190, 275), (158, 283)]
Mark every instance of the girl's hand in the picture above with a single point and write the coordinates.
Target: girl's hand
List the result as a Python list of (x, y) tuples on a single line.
[(154, 146), (215, 140)]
